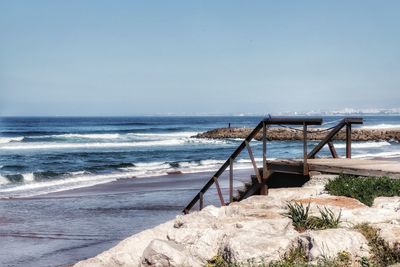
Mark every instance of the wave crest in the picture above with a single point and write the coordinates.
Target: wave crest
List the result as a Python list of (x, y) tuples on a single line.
[(4, 140)]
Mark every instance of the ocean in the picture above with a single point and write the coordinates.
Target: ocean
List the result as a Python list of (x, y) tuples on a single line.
[(143, 156), (41, 155)]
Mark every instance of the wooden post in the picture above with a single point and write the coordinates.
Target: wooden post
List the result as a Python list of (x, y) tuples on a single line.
[(201, 200), (221, 198), (253, 161), (348, 140), (264, 190), (305, 166), (230, 180), (332, 149)]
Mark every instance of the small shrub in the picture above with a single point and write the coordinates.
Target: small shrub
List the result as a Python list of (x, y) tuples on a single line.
[(302, 220), (382, 253), (342, 260), (329, 220), (295, 257), (365, 189), (217, 261), (299, 215)]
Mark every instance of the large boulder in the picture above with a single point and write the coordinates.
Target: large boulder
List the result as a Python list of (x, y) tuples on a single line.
[(129, 251), (328, 243), (259, 241), (389, 203), (162, 253), (390, 232)]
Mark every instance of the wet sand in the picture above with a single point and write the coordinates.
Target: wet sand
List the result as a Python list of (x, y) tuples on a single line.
[(61, 228)]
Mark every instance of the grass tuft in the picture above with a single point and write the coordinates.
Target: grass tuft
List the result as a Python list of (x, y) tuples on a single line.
[(365, 189), (302, 221)]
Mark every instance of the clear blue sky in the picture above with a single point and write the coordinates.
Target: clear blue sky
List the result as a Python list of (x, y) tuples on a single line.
[(189, 57)]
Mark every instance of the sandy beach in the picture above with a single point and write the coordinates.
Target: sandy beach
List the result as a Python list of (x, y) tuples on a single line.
[(62, 228)]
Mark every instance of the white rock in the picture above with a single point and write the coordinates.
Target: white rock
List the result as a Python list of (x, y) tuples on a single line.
[(129, 251), (391, 203), (160, 253), (369, 215), (259, 241), (390, 232), (253, 229), (328, 243)]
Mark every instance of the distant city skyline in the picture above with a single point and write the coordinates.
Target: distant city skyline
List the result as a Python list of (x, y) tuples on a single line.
[(124, 58)]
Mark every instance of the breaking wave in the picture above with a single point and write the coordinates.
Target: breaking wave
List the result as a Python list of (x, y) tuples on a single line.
[(381, 126), (30, 184), (391, 154), (49, 145), (4, 140), (365, 144)]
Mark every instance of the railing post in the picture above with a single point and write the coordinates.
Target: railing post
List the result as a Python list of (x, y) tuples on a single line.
[(263, 190), (221, 198), (230, 180), (348, 140), (305, 166), (332, 149), (201, 200), (253, 161)]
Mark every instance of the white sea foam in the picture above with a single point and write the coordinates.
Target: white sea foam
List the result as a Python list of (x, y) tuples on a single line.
[(391, 154), (28, 177), (121, 141), (4, 140), (41, 187), (381, 126), (3, 180), (365, 144), (165, 135), (79, 179), (88, 136), (48, 145)]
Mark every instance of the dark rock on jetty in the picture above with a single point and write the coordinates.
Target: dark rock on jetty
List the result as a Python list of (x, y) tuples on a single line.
[(360, 134)]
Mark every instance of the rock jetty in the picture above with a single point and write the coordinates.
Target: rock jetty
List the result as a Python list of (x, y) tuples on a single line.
[(358, 134), (256, 230)]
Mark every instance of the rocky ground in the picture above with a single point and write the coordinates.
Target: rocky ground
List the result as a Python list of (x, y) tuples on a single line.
[(256, 230), (363, 134)]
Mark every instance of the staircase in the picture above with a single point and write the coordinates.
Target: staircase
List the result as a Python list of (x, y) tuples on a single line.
[(271, 169)]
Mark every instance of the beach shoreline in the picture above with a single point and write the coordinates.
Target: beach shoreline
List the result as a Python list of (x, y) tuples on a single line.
[(62, 228)]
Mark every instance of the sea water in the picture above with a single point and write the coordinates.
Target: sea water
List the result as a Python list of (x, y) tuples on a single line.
[(40, 155), (46, 155)]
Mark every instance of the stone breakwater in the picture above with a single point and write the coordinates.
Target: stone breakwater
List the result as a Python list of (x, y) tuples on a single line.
[(256, 230), (358, 134)]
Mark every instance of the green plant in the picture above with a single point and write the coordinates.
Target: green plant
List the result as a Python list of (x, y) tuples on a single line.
[(382, 253), (329, 220), (295, 257), (341, 260), (217, 261), (365, 189), (302, 220), (298, 214)]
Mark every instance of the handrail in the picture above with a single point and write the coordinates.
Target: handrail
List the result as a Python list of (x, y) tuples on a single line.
[(223, 167), (305, 121), (328, 139)]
